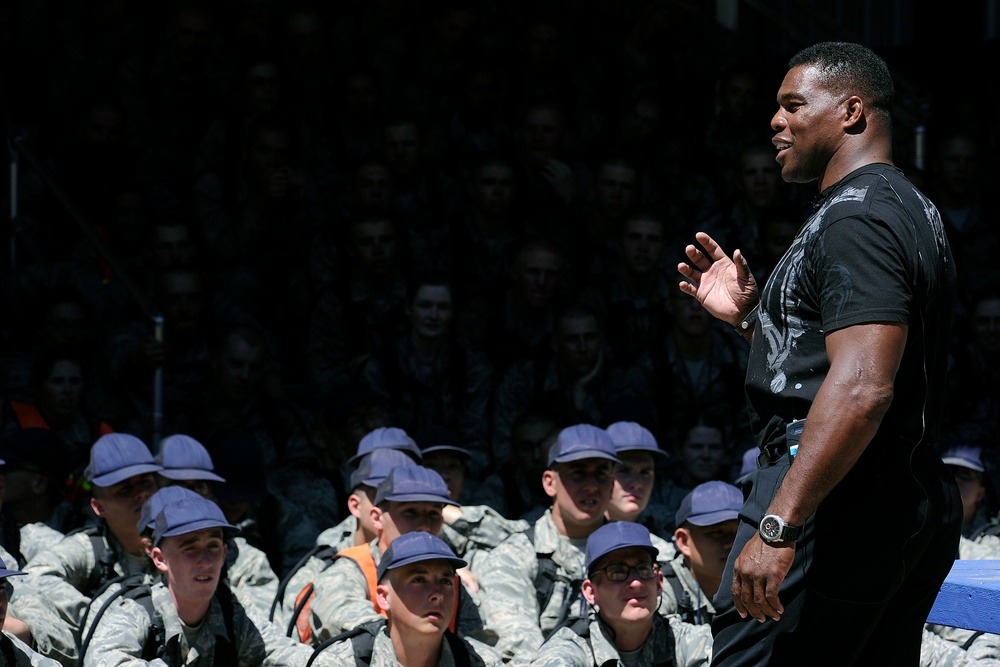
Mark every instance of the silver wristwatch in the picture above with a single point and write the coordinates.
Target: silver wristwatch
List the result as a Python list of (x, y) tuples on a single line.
[(774, 529)]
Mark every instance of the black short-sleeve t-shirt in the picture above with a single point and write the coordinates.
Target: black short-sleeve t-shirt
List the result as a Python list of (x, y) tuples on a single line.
[(874, 250)]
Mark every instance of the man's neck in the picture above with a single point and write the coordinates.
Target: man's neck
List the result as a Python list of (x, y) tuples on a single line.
[(416, 649), (630, 635), (191, 612)]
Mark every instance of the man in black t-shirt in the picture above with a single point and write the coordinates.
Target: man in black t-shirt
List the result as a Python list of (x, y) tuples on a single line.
[(844, 382)]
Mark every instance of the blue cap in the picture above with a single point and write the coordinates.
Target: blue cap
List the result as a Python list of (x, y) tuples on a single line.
[(389, 437), (437, 438), (117, 456), (184, 458), (154, 505), (415, 547), (189, 515), (411, 484), (4, 572), (618, 535), (583, 441), (376, 466), (633, 437), (965, 456), (710, 503)]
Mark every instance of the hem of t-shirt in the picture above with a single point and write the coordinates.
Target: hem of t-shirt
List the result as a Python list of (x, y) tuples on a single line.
[(870, 317)]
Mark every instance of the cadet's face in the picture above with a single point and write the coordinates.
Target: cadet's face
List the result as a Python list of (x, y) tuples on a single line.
[(104, 127), (632, 600), (615, 189), (642, 244), (192, 563), (240, 368), (634, 479), (494, 188), (451, 468), (62, 389), (64, 323), (430, 312), (373, 246), (530, 443), (970, 485), (173, 246), (373, 186), (268, 151), (405, 518), (199, 486), (401, 144), (986, 320), (542, 133), (708, 548), (759, 178), (182, 302), (582, 490), (689, 317), (263, 86), (421, 597), (703, 452), (958, 166), (537, 276), (577, 343), (121, 504), (361, 96)]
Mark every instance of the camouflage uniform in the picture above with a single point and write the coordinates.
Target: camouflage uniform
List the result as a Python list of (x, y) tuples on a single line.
[(478, 531), (341, 654), (35, 538), (671, 639), (936, 651), (55, 592), (507, 587), (22, 653), (250, 576), (342, 601), (700, 602), (341, 535), (122, 633)]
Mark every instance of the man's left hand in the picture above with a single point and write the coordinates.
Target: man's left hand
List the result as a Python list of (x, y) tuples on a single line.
[(757, 576)]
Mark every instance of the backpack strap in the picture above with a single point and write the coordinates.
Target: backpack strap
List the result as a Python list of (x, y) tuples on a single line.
[(685, 607), (156, 638), (361, 555), (321, 551), (458, 648), (104, 556), (362, 638), (83, 642), (545, 579)]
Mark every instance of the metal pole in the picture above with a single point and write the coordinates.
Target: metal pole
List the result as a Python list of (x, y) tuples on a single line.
[(157, 430)]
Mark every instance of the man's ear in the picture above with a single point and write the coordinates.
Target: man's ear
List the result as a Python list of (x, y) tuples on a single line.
[(549, 483), (682, 538), (588, 591), (354, 505), (383, 597), (97, 506), (376, 517), (156, 554)]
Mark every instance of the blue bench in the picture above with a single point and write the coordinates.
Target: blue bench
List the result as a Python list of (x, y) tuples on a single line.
[(970, 597)]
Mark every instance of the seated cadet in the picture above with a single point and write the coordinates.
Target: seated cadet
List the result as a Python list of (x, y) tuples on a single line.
[(530, 582), (409, 499), (13, 651), (62, 580), (186, 462), (471, 530), (706, 527), (623, 588), (357, 529), (635, 476), (187, 618), (418, 589)]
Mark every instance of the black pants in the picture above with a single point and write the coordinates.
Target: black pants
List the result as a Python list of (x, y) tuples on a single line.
[(866, 571)]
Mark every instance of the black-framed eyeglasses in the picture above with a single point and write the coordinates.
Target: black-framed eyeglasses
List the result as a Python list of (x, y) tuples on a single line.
[(620, 571)]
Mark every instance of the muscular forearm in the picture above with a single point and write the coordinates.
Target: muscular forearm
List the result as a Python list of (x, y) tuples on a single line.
[(844, 416)]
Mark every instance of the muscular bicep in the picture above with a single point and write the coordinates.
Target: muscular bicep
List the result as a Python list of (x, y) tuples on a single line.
[(864, 358)]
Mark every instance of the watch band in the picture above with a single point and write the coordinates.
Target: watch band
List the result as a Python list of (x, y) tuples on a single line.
[(748, 322)]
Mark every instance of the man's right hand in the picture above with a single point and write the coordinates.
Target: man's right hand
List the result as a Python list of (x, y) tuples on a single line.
[(722, 284)]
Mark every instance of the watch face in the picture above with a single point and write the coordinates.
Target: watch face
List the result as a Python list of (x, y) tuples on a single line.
[(770, 528)]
